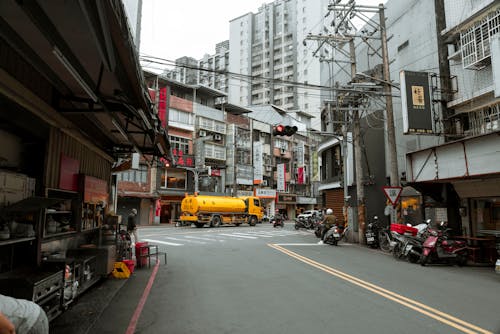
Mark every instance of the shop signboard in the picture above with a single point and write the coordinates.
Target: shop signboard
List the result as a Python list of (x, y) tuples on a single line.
[(94, 190), (280, 168), (287, 198), (257, 163), (265, 193), (416, 102), (68, 175)]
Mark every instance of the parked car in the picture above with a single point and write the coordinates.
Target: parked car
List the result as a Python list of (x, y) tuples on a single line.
[(309, 214)]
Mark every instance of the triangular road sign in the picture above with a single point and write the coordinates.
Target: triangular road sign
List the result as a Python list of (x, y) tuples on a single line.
[(393, 193)]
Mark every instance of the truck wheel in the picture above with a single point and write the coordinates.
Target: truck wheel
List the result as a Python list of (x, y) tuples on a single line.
[(216, 222), (199, 225), (252, 221)]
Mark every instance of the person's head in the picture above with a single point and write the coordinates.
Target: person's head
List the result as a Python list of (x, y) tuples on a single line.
[(329, 211), (134, 211)]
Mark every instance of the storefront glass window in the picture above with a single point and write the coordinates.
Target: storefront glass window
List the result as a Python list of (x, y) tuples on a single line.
[(173, 179), (411, 210)]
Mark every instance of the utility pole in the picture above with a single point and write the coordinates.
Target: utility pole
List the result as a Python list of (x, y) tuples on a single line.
[(360, 188), (391, 135)]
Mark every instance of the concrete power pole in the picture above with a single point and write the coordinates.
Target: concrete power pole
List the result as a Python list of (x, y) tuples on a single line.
[(391, 135), (360, 188)]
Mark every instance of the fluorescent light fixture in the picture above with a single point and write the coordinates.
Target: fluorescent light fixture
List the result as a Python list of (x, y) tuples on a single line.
[(120, 129), (160, 148), (74, 73), (144, 118)]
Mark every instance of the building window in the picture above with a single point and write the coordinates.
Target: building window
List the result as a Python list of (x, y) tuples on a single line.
[(134, 175), (173, 178), (179, 144)]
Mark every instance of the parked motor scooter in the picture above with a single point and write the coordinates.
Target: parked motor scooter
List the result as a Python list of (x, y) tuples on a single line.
[(438, 248), (407, 240), (371, 233), (303, 222)]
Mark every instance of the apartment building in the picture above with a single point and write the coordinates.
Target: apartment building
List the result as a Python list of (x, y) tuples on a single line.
[(467, 165), (450, 174), (213, 68), (266, 49)]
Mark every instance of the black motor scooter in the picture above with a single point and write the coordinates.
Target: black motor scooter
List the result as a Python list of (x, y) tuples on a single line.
[(278, 221), (371, 233), (303, 222)]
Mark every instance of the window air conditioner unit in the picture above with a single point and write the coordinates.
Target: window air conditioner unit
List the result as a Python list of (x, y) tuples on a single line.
[(269, 168), (264, 183), (217, 137), (202, 133), (282, 151), (263, 134)]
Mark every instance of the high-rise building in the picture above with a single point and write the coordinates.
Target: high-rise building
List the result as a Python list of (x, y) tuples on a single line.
[(267, 56)]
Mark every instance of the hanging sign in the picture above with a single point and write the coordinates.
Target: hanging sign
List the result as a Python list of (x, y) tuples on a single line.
[(392, 193)]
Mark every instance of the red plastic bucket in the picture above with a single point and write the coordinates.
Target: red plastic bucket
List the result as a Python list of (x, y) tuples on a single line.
[(130, 265)]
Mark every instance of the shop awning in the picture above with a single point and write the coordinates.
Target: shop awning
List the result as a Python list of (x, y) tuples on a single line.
[(85, 52)]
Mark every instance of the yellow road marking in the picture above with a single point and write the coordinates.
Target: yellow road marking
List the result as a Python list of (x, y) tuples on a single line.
[(410, 303)]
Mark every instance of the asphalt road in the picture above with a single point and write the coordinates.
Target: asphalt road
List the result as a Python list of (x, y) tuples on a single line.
[(265, 280)]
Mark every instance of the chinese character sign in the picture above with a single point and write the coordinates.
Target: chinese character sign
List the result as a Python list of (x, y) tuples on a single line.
[(257, 161), (281, 177), (416, 102)]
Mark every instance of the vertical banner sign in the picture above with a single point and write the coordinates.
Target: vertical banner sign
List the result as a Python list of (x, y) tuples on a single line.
[(300, 154), (162, 107), (416, 102), (300, 175), (281, 177), (257, 162), (315, 166)]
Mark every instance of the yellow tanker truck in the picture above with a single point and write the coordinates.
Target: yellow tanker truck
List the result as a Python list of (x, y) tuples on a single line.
[(218, 210)]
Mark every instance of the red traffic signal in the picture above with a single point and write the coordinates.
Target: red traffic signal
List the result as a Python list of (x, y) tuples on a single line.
[(284, 130)]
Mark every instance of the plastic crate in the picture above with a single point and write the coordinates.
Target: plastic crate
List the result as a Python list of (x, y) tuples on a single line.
[(404, 229), (141, 254)]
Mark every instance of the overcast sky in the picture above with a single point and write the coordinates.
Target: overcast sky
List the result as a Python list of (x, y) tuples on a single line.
[(175, 28)]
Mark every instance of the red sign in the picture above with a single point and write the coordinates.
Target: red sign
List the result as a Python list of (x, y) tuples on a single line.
[(162, 106), (181, 159), (68, 173), (300, 175), (392, 193)]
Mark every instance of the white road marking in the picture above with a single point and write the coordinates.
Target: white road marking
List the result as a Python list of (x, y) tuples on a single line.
[(198, 238), (237, 236), (244, 235), (162, 242), (299, 244), (184, 240)]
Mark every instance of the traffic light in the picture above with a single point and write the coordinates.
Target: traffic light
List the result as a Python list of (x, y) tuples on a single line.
[(284, 130)]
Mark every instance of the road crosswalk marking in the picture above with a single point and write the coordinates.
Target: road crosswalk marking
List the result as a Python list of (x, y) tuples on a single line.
[(213, 236), (162, 242)]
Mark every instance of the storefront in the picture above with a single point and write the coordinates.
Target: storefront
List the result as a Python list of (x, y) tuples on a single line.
[(286, 204), (268, 198), (64, 125)]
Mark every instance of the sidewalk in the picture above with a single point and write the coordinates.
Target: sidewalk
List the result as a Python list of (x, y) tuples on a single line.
[(86, 309)]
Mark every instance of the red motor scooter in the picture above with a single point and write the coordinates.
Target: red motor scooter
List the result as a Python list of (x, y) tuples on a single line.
[(438, 248)]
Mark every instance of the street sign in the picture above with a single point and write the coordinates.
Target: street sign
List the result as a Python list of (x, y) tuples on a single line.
[(392, 193)]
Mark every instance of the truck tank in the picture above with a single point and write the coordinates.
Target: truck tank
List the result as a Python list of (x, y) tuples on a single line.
[(203, 203)]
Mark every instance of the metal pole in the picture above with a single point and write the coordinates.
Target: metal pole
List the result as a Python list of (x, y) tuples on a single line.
[(391, 135)]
